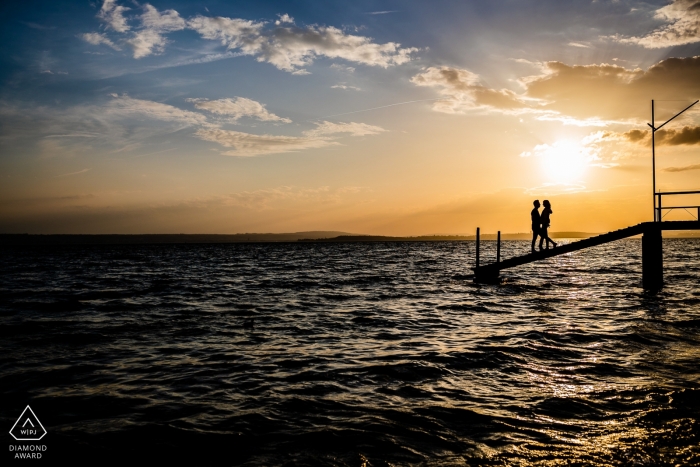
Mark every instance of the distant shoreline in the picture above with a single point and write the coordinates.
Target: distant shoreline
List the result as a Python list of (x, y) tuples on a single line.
[(301, 237)]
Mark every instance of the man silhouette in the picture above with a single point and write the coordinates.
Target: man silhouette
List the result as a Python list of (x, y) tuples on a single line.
[(535, 216)]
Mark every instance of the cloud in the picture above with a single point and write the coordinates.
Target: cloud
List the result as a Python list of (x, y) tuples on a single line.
[(95, 38), (113, 15), (290, 48), (125, 106), (682, 169), (264, 199), (463, 92), (150, 40), (147, 42), (280, 43), (247, 144), (351, 128), (580, 45), (285, 18), (683, 26), (345, 87), (668, 137), (345, 68), (231, 32), (167, 21), (41, 27), (124, 123), (598, 94), (237, 108), (73, 173)]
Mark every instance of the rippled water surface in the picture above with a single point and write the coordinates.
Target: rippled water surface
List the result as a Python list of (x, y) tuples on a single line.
[(353, 354)]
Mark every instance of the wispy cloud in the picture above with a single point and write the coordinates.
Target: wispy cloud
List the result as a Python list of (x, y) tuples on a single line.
[(124, 123), (351, 128), (247, 144), (682, 169), (345, 68), (127, 106), (237, 108), (154, 24), (40, 27), (113, 16), (345, 87), (95, 38), (73, 173), (682, 18)]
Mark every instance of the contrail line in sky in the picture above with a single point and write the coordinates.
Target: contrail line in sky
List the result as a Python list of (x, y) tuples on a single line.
[(385, 106)]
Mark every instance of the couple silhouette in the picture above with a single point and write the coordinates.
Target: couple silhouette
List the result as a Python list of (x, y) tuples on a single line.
[(540, 224)]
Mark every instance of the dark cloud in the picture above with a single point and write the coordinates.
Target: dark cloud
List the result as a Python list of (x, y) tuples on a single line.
[(687, 135), (613, 92), (601, 92), (682, 169), (636, 135)]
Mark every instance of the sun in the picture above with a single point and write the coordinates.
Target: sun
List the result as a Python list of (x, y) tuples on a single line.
[(564, 161)]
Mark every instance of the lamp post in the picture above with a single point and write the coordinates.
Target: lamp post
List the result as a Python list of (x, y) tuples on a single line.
[(657, 213)]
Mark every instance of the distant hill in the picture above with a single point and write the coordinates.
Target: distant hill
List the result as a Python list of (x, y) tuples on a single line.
[(318, 236), (117, 239)]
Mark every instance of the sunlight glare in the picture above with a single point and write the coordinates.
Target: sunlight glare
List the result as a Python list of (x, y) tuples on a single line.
[(564, 161)]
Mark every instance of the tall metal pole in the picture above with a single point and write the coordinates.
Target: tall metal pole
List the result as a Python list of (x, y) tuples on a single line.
[(654, 129), (653, 158)]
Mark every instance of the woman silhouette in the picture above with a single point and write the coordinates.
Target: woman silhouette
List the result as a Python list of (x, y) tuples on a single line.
[(544, 219)]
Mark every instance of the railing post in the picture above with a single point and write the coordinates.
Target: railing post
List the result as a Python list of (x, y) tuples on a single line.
[(661, 217), (699, 213), (498, 248), (477, 247)]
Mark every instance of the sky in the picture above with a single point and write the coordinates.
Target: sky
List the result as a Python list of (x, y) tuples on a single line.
[(377, 117)]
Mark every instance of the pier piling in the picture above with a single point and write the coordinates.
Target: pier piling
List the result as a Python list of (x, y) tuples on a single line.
[(498, 248), (477, 247), (652, 259)]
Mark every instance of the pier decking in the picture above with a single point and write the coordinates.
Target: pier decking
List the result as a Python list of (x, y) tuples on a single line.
[(652, 260)]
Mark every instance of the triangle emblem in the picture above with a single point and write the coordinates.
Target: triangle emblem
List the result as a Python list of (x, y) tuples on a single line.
[(28, 427)]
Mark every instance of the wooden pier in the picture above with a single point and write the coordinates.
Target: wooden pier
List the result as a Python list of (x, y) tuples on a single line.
[(652, 256)]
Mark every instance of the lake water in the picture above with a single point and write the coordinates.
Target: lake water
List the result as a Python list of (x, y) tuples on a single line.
[(351, 354)]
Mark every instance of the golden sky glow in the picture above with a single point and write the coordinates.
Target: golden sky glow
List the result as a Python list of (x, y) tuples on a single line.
[(380, 118)]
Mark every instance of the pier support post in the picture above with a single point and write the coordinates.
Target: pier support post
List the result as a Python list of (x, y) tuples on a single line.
[(478, 230), (498, 248), (652, 259)]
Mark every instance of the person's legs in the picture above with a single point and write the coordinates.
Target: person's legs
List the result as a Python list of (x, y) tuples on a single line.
[(543, 235), (534, 238)]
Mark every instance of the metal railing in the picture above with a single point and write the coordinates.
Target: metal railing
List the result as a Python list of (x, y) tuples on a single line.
[(659, 216)]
